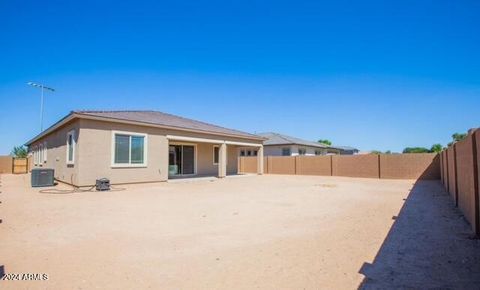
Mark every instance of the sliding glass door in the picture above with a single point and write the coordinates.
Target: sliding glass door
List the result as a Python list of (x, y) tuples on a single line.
[(181, 160)]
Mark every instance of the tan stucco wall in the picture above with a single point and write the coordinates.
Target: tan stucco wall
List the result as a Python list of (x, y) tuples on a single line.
[(96, 157), (57, 155), (96, 144)]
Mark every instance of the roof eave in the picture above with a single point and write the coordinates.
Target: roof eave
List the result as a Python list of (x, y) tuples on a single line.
[(72, 115), (58, 124)]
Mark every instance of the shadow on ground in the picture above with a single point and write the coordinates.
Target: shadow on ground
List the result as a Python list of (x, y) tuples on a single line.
[(430, 245)]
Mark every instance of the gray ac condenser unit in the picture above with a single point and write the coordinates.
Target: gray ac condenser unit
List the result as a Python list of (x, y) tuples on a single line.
[(42, 177)]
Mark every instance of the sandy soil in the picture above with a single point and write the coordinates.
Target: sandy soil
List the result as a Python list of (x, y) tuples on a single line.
[(255, 232)]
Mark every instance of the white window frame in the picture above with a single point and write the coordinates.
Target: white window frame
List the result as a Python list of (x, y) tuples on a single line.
[(129, 165), (213, 155), (74, 143)]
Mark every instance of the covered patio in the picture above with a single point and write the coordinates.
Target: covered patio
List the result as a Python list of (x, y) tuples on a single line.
[(197, 157)]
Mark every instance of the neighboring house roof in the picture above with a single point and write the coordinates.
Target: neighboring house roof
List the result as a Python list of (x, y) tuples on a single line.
[(149, 118), (281, 139), (345, 148)]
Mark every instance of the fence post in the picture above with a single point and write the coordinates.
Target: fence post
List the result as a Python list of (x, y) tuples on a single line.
[(447, 182), (441, 166), (331, 165), (455, 170), (379, 172), (295, 164), (475, 183)]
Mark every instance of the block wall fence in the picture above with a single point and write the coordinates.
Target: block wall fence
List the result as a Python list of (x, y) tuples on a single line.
[(388, 166), (460, 176)]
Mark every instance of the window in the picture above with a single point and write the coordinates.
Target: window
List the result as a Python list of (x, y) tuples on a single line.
[(129, 149), (318, 152), (40, 155), (71, 147), (302, 151), (285, 151), (242, 152), (255, 152), (249, 152), (216, 152), (44, 152), (35, 155)]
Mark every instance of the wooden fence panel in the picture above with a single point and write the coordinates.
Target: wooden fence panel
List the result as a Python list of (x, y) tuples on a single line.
[(20, 165)]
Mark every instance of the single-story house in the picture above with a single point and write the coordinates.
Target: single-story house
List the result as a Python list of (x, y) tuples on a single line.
[(138, 146), (282, 145), (343, 150)]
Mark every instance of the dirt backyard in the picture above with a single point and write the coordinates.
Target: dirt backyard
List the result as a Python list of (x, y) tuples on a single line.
[(249, 232)]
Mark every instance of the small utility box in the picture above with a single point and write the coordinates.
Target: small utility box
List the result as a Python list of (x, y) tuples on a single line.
[(102, 184)]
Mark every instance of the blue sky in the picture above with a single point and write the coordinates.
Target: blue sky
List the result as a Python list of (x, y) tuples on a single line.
[(371, 74)]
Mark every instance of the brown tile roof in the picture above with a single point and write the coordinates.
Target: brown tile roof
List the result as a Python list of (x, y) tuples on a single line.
[(168, 120), (282, 139)]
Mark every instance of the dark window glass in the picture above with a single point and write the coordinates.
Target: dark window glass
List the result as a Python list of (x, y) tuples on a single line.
[(216, 151), (70, 147), (137, 149), (188, 160), (122, 147), (285, 151)]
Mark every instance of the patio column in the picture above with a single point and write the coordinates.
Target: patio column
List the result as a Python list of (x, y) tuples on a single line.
[(222, 160), (260, 160)]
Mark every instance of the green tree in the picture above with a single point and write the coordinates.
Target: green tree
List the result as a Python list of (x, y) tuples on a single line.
[(436, 148), (325, 141), (19, 152), (376, 152), (416, 150), (459, 136)]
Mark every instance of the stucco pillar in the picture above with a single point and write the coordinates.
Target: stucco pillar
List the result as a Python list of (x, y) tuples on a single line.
[(260, 160), (163, 162), (222, 160)]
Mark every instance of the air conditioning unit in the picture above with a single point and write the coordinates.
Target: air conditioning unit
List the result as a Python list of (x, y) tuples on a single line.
[(42, 177)]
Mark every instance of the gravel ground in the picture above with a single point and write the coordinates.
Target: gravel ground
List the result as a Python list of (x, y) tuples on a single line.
[(253, 232)]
